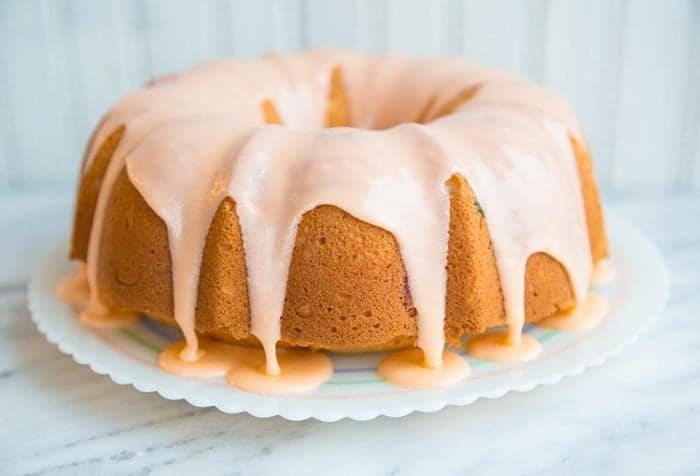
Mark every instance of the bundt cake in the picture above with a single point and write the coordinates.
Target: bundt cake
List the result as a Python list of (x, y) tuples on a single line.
[(335, 201)]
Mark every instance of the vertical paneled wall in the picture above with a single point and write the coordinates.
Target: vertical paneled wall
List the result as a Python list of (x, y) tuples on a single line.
[(630, 68)]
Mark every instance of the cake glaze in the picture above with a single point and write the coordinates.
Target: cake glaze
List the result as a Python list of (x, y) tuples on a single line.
[(584, 317), (190, 141)]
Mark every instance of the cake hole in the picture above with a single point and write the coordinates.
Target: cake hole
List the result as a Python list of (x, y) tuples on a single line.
[(297, 330), (303, 311), (322, 240), (412, 312), (376, 326), (339, 113), (367, 313), (128, 276), (354, 328), (343, 318), (334, 329)]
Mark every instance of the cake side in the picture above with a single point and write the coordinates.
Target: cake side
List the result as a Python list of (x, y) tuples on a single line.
[(346, 286), (591, 201), (88, 191)]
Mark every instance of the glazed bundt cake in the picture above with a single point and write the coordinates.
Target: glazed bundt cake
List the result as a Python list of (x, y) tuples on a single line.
[(330, 200)]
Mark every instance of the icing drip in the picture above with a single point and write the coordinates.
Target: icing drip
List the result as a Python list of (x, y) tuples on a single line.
[(244, 367), (603, 273), (582, 318), (106, 318), (195, 138), (185, 201), (74, 288), (499, 347), (301, 371), (523, 172), (406, 369)]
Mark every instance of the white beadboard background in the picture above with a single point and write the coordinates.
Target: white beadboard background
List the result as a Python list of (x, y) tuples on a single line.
[(630, 68)]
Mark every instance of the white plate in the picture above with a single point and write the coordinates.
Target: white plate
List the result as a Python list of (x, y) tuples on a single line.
[(130, 355)]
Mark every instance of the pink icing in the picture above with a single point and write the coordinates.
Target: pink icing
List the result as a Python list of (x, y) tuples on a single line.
[(199, 136)]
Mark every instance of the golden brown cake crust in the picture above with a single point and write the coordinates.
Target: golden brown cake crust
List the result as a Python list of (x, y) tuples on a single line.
[(134, 258), (346, 287), (474, 299), (591, 202), (222, 303), (88, 191), (270, 113), (337, 112)]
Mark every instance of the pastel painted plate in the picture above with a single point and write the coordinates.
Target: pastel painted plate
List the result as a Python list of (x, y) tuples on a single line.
[(130, 355)]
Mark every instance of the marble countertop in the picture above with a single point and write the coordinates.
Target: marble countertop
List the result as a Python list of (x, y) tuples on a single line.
[(638, 414)]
